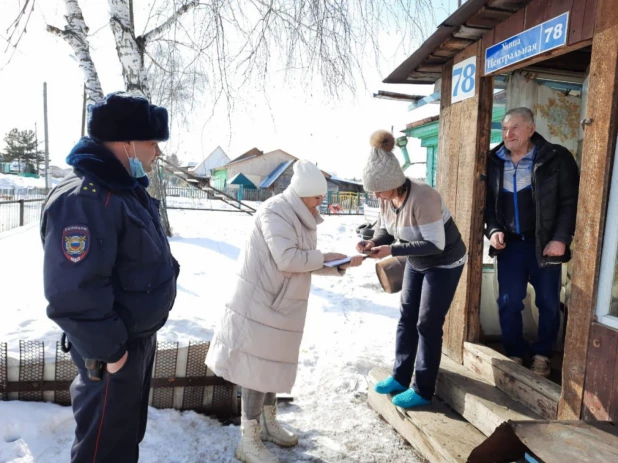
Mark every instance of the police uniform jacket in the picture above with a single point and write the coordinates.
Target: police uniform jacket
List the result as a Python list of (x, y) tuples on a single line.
[(109, 275)]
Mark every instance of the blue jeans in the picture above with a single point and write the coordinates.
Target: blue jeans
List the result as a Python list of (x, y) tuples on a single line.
[(517, 264), (426, 297)]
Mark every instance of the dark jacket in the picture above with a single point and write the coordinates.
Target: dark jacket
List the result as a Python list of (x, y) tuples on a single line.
[(555, 186), (109, 274)]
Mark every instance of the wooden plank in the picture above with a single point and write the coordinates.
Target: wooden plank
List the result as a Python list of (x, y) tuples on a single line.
[(570, 441), (538, 394), (479, 402), (469, 33), (488, 41), (534, 13), (487, 18), (448, 145), (543, 57), (600, 370), (613, 405), (460, 164), (509, 5), (452, 46), (598, 151), (589, 19), (576, 22), (437, 431), (476, 241), (557, 7), (512, 26)]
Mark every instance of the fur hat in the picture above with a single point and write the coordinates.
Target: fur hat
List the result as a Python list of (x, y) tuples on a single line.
[(382, 171), (308, 180), (124, 117)]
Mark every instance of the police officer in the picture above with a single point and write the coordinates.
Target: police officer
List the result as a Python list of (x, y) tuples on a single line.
[(110, 278)]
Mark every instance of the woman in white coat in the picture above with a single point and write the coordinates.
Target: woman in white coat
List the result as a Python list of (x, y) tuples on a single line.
[(258, 339)]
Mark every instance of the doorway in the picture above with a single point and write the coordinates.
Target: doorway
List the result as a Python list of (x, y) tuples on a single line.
[(556, 91)]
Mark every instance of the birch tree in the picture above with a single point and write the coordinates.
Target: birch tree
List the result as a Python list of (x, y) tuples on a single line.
[(193, 54)]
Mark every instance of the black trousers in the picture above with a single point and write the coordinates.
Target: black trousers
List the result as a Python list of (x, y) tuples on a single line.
[(426, 297), (111, 414)]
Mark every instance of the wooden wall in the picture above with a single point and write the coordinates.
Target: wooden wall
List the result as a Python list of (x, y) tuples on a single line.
[(582, 17), (464, 142), (597, 156)]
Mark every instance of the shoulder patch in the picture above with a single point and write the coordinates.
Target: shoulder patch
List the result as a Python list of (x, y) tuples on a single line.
[(75, 243)]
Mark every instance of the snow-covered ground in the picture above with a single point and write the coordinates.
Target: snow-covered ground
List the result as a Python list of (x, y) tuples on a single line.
[(350, 328), (15, 181)]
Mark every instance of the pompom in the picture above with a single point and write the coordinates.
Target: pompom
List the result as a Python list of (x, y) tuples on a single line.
[(382, 139)]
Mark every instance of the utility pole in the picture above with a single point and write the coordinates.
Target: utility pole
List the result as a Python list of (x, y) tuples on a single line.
[(36, 149), (46, 136)]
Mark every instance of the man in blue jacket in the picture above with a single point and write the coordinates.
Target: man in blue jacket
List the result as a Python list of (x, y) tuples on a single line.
[(532, 189), (110, 278)]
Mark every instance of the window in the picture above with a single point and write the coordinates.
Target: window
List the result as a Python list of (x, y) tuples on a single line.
[(607, 300)]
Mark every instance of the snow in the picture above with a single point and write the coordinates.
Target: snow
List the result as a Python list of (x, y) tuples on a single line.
[(15, 181), (350, 329)]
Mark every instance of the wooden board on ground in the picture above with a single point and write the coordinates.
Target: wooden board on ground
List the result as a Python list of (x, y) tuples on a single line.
[(535, 392), (478, 401), (437, 431)]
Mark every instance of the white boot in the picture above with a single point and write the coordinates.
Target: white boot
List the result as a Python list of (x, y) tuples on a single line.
[(250, 448), (272, 430)]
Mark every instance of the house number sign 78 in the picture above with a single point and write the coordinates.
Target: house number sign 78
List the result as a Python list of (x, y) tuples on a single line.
[(463, 80)]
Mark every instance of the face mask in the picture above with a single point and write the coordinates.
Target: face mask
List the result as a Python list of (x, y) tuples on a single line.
[(135, 165)]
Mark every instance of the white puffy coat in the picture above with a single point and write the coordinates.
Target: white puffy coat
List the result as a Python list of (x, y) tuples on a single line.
[(257, 342)]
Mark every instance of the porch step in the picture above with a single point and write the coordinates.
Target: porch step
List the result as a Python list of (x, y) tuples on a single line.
[(481, 403), (437, 432), (535, 392)]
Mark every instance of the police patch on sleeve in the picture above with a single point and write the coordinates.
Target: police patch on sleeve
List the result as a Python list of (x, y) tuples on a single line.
[(75, 243)]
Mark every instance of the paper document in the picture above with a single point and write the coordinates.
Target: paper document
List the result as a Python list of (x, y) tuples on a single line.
[(337, 263)]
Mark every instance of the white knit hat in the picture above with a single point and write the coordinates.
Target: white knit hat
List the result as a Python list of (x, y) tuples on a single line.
[(308, 180), (382, 171)]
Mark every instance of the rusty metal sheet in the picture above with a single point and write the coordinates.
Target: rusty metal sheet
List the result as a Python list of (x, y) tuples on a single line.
[(31, 364), (65, 372), (164, 368)]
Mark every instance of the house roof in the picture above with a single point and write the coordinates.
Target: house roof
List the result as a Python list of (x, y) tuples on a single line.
[(217, 151), (427, 120), (386, 95), (336, 179), (275, 174), (241, 179), (252, 153), (465, 26)]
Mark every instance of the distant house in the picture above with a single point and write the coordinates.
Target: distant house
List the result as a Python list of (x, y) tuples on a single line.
[(270, 172), (214, 160), (255, 165), (58, 172)]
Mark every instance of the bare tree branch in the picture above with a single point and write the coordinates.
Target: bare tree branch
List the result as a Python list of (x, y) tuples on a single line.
[(171, 22)]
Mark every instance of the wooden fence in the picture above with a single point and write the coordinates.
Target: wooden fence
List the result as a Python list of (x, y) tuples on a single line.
[(180, 380)]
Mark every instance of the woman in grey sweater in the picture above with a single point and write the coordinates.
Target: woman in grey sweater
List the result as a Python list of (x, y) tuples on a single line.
[(414, 222)]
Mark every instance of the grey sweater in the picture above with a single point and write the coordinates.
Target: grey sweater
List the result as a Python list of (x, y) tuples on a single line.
[(422, 229)]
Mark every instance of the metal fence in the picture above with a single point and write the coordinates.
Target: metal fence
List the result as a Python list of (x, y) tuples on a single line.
[(18, 213), (180, 380), (14, 194)]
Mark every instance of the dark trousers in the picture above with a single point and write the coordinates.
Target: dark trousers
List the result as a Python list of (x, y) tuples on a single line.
[(517, 264), (426, 297), (111, 414)]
